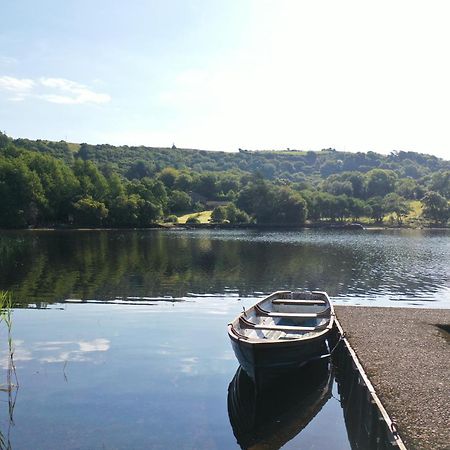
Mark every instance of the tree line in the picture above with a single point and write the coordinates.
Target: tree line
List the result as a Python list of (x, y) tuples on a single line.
[(72, 186)]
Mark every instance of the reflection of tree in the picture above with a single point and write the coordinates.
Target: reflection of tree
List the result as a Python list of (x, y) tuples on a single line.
[(51, 266), (108, 264)]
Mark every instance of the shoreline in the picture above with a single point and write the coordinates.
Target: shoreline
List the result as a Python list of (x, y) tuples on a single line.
[(404, 352), (351, 226)]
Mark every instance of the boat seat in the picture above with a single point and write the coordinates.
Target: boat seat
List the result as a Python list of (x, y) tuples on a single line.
[(281, 327), (282, 301), (323, 313), (294, 315), (286, 328)]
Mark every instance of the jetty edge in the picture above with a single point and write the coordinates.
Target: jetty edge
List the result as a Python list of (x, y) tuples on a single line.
[(405, 352)]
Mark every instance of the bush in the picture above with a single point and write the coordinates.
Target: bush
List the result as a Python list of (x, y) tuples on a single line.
[(193, 220), (219, 214), (171, 219)]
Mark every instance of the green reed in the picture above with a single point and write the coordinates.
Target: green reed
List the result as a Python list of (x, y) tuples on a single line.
[(11, 385), (6, 320)]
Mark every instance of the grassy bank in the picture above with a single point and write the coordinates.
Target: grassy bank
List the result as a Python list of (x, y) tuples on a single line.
[(203, 217)]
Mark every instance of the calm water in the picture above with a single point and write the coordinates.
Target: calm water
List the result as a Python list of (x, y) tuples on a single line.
[(156, 375), (374, 267)]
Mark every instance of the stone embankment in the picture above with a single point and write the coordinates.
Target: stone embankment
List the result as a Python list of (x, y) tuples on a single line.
[(406, 354)]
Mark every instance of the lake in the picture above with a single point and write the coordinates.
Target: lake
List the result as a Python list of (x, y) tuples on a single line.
[(154, 369), (389, 268)]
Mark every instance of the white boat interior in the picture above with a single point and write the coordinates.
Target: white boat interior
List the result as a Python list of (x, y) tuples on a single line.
[(285, 315)]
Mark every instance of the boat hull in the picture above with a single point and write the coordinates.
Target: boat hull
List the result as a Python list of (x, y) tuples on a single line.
[(282, 332), (264, 362)]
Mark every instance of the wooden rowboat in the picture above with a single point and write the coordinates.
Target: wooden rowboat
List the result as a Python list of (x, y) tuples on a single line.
[(283, 331)]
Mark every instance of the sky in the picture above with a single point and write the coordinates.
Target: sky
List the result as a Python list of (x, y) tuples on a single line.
[(229, 74)]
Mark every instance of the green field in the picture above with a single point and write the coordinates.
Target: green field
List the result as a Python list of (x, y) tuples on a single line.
[(203, 217)]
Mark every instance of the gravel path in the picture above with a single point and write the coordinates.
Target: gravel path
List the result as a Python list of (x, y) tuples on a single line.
[(407, 359)]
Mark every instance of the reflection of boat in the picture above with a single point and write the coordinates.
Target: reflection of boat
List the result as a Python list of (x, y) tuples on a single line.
[(282, 332), (267, 419)]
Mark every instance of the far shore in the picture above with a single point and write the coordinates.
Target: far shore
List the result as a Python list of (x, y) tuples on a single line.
[(347, 226)]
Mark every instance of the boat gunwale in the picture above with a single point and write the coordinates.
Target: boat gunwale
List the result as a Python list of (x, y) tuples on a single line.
[(241, 339)]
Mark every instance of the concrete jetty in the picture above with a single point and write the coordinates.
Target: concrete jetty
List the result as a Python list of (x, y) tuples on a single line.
[(406, 356)]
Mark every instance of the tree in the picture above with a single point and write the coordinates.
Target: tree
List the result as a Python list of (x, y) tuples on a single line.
[(358, 208), (124, 211), (149, 212), (150, 191), (235, 215), (339, 187), (83, 152), (376, 205), (290, 207), (179, 201), (396, 204), (271, 204), (89, 212), (408, 188), (219, 214), (207, 185), (435, 207), (116, 187), (380, 182), (168, 176), (92, 182), (358, 183), (183, 182), (441, 183), (268, 170), (141, 169), (258, 200), (4, 140), (22, 197), (330, 167), (59, 184)]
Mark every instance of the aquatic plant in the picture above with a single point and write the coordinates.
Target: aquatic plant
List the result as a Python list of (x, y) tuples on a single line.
[(11, 385), (6, 319)]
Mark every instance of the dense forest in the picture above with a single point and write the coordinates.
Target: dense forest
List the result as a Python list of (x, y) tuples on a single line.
[(44, 183)]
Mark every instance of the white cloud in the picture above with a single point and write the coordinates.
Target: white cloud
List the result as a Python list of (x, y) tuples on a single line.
[(53, 90), (17, 85), (76, 93), (19, 88)]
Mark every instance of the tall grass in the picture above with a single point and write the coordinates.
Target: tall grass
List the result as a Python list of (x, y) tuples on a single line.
[(6, 321), (11, 383)]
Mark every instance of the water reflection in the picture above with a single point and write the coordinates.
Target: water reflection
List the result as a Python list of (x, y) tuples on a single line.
[(366, 428), (8, 396), (55, 351), (271, 417), (9, 388), (404, 266)]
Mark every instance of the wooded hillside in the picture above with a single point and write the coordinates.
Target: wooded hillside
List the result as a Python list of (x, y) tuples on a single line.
[(50, 183)]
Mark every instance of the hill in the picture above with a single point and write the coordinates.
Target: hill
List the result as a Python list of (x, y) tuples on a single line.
[(293, 165), (43, 183)]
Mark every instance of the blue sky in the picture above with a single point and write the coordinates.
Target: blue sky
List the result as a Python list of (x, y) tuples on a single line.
[(352, 75)]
